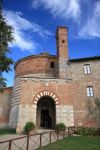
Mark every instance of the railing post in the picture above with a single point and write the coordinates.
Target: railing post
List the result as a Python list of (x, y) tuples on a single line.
[(10, 145), (83, 130), (50, 137), (68, 131), (57, 135), (27, 143), (40, 139), (63, 133)]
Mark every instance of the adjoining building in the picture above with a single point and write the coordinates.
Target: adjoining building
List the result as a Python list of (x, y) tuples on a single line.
[(51, 89)]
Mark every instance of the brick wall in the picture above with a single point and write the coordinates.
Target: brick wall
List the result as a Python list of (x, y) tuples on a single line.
[(5, 99), (81, 81), (39, 65), (62, 51), (34, 75)]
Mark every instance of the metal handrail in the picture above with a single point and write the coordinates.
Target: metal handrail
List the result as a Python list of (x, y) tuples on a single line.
[(28, 138)]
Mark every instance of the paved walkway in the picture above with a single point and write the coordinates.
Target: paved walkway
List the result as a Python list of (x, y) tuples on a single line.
[(34, 141)]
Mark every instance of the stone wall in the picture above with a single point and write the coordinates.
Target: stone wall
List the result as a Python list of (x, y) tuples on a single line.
[(5, 99), (77, 70), (81, 81), (65, 114), (25, 114), (15, 101)]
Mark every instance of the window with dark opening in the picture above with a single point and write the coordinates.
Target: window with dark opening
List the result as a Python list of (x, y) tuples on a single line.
[(52, 64), (63, 41)]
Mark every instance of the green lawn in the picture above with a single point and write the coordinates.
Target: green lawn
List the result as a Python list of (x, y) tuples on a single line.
[(7, 131), (75, 143)]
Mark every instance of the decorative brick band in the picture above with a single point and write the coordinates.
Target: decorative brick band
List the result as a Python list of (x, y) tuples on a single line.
[(46, 93)]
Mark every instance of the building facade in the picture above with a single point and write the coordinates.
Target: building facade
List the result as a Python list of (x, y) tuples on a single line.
[(52, 89)]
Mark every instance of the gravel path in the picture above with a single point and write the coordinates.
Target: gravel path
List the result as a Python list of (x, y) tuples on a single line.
[(34, 141)]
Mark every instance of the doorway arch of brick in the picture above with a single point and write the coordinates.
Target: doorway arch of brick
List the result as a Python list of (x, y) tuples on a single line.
[(46, 93)]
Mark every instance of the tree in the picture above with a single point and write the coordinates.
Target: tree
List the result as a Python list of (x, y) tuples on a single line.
[(6, 36), (2, 83)]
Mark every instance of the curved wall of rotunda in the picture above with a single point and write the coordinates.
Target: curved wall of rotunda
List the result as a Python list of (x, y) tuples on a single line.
[(43, 65)]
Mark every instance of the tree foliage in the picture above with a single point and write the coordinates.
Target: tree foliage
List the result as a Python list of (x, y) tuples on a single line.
[(2, 83), (6, 36)]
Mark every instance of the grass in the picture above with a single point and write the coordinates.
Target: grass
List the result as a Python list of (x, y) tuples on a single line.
[(75, 143), (7, 131)]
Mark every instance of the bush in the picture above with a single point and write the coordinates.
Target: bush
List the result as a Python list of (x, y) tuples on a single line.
[(7, 131), (86, 131), (60, 126), (97, 132), (29, 126)]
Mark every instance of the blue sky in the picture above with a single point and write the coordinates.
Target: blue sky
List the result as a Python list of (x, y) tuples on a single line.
[(35, 22)]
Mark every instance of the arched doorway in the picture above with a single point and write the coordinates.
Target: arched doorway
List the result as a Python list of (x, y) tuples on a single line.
[(45, 114)]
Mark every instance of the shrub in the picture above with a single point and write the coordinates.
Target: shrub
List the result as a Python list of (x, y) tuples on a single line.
[(86, 131), (7, 131), (80, 130), (97, 132), (60, 126), (29, 126)]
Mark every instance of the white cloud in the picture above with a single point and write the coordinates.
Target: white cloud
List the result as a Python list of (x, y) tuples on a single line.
[(23, 43), (61, 8), (92, 27), (87, 22), (21, 28)]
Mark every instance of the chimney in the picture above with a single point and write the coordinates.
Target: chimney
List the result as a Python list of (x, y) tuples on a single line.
[(62, 50)]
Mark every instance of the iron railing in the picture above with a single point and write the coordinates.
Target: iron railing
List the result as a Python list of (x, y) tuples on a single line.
[(31, 142)]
